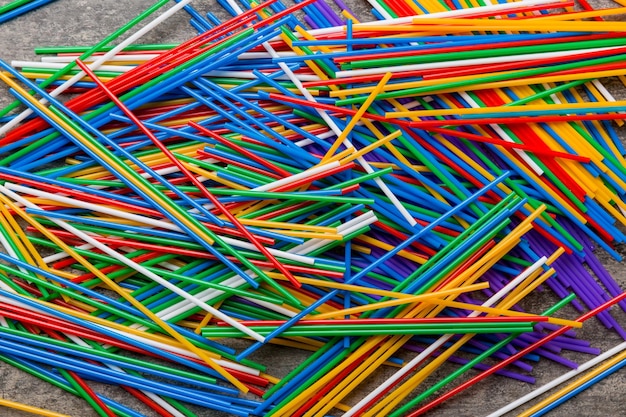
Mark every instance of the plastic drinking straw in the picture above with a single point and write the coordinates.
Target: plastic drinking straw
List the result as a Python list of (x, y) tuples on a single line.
[(87, 393), (397, 321), (55, 380), (549, 337), (357, 116), (12, 5), (495, 347), (447, 379), (87, 349), (68, 314), (29, 409), (426, 124), (519, 24), (193, 397), (321, 381), (64, 346), (487, 81), (157, 79), (529, 110), (200, 236), (337, 131), (500, 294), (336, 330)]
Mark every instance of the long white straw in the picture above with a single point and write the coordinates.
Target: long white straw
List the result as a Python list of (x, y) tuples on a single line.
[(557, 381), (119, 58), (296, 177)]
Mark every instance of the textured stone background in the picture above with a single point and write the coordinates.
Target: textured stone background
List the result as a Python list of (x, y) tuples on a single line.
[(85, 22)]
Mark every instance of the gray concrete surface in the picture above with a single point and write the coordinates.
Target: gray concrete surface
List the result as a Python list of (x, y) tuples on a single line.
[(85, 22)]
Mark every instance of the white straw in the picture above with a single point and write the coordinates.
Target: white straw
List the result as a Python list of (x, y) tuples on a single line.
[(93, 207), (118, 58), (557, 381), (62, 255), (296, 177), (57, 66)]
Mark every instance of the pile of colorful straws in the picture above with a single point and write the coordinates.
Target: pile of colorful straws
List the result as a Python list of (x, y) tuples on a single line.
[(380, 194)]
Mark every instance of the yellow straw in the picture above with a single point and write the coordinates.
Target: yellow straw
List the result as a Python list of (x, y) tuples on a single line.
[(355, 119), (430, 297), (370, 147), (502, 109), (30, 409)]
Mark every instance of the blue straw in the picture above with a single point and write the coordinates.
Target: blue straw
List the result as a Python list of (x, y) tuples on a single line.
[(12, 14)]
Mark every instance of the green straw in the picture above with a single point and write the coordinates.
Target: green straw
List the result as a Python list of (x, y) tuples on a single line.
[(372, 330)]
